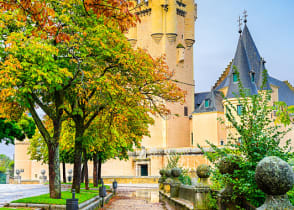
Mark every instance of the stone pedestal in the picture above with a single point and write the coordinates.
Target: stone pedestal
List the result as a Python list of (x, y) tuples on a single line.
[(275, 178), (18, 179), (166, 187), (174, 190), (201, 197), (43, 179)]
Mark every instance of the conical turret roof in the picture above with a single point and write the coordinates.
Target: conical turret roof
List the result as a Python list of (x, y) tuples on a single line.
[(241, 65)]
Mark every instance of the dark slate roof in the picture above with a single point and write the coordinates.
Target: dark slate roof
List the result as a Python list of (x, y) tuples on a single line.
[(285, 93), (247, 59), (241, 62), (215, 98), (252, 53), (198, 98)]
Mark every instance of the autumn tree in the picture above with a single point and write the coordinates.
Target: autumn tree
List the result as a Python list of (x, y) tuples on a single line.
[(37, 66), (70, 59)]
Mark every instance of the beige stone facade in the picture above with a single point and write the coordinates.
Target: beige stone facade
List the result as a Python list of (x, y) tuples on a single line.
[(166, 28)]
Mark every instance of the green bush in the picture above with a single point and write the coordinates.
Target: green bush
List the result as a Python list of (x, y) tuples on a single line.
[(173, 162), (257, 137)]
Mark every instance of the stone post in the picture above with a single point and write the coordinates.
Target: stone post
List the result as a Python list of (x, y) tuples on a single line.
[(202, 189), (227, 165), (43, 178), (18, 177), (167, 183), (7, 176), (69, 178), (175, 185), (161, 180), (275, 178)]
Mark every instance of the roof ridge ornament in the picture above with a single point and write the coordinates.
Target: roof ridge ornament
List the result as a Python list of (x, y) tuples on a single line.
[(245, 16), (240, 25)]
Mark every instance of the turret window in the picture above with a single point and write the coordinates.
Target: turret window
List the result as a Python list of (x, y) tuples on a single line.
[(239, 109), (207, 103), (235, 77), (252, 75)]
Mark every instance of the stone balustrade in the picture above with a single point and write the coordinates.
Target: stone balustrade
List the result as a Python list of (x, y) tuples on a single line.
[(273, 176)]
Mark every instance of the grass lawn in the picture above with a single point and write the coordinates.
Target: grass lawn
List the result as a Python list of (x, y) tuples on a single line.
[(45, 198), (4, 208)]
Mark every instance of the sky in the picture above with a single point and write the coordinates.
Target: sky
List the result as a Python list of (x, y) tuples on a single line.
[(270, 23)]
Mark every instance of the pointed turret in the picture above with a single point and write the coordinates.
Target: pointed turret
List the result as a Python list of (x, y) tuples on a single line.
[(241, 62), (251, 50)]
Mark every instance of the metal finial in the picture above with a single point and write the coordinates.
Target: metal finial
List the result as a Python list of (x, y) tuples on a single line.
[(240, 24), (245, 16)]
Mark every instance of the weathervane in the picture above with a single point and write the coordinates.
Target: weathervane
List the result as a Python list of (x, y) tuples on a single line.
[(240, 24), (245, 16)]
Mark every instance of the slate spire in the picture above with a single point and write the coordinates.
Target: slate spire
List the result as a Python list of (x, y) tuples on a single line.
[(242, 64)]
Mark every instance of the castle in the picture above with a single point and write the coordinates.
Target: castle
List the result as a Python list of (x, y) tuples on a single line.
[(167, 27)]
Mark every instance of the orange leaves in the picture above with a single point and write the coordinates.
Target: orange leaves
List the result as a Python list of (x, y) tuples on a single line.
[(62, 37), (117, 10)]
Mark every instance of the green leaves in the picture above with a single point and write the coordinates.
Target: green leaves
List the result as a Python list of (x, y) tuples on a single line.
[(254, 135)]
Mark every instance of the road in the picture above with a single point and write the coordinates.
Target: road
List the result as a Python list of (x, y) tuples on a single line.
[(10, 192)]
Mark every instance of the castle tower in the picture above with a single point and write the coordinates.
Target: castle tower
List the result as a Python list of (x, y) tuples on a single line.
[(167, 28)]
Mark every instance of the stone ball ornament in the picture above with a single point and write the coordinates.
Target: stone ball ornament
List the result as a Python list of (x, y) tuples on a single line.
[(203, 171), (162, 172), (168, 173), (228, 164), (274, 176), (43, 171), (176, 172)]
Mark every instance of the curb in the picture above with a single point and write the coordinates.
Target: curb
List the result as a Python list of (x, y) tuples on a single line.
[(91, 204)]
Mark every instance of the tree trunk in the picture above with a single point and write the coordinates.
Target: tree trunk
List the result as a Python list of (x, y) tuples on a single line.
[(54, 171), (95, 172), (64, 172), (77, 161), (99, 170), (86, 170)]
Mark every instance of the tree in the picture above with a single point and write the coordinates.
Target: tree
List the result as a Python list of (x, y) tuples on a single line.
[(284, 113), (38, 65), (254, 136), (70, 57), (10, 130), (6, 163)]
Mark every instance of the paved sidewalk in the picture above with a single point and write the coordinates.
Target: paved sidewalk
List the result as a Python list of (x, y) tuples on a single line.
[(10, 192)]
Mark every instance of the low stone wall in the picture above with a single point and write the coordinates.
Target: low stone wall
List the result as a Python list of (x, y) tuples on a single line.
[(130, 179), (187, 193), (175, 203)]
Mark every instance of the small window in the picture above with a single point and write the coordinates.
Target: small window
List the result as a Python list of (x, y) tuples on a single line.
[(235, 77), (207, 103), (252, 75), (185, 111), (222, 142), (240, 140), (239, 109), (192, 140)]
